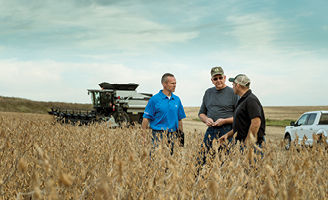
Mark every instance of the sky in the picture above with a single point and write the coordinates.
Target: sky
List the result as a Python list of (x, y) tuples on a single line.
[(56, 50)]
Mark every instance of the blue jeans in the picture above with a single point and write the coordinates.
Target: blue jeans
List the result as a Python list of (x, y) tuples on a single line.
[(212, 132), (158, 136)]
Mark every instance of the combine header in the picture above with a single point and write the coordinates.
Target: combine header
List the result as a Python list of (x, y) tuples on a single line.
[(115, 103)]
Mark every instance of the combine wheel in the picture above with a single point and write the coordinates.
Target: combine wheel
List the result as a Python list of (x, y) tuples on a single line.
[(121, 118)]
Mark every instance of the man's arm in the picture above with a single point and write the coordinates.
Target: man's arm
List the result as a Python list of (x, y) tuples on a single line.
[(203, 111), (222, 121), (205, 119), (145, 123), (254, 128), (180, 126), (226, 136), (144, 126)]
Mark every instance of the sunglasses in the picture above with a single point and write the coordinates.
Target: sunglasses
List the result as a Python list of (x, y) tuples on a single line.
[(216, 78)]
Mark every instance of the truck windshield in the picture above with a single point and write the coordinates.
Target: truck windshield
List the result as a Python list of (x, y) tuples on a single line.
[(323, 119)]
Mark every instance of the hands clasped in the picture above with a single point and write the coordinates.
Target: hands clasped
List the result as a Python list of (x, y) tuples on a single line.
[(210, 122)]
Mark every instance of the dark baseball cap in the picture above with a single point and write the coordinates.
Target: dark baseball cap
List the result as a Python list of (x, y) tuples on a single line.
[(217, 70)]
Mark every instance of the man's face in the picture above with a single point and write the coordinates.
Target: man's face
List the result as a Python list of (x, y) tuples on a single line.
[(234, 85), (170, 84), (219, 81), (236, 88)]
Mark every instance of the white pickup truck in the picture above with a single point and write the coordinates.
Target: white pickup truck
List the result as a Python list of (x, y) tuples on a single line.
[(314, 122)]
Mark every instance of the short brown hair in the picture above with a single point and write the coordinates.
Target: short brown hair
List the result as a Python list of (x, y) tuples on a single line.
[(164, 77)]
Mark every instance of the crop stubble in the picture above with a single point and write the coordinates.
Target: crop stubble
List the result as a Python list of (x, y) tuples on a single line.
[(44, 160)]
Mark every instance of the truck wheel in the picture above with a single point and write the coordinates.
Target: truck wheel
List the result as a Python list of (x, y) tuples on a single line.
[(121, 118), (287, 141), (320, 139)]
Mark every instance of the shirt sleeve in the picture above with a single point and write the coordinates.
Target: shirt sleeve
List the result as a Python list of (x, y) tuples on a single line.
[(181, 112), (203, 109), (254, 109), (149, 112)]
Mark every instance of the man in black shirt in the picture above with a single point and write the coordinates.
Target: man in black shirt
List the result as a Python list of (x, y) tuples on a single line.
[(248, 116)]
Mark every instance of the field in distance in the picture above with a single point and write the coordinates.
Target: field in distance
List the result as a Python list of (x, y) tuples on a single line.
[(13, 104), (277, 116)]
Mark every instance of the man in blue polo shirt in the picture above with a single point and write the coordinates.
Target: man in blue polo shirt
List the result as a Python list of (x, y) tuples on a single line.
[(164, 112)]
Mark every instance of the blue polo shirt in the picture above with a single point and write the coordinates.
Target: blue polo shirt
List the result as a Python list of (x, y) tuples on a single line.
[(164, 113)]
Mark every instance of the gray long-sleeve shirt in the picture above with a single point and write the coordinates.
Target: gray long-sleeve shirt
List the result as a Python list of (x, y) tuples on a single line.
[(219, 103)]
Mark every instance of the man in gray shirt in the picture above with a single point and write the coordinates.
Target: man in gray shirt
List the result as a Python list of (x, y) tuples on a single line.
[(216, 111)]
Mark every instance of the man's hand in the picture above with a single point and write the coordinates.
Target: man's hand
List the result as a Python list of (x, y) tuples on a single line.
[(219, 122), (223, 139), (209, 122)]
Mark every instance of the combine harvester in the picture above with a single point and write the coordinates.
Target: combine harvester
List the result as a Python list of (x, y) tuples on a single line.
[(115, 103)]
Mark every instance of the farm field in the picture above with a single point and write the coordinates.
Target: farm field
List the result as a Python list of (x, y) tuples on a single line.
[(44, 160)]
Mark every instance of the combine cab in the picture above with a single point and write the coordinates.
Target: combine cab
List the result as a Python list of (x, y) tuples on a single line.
[(115, 103)]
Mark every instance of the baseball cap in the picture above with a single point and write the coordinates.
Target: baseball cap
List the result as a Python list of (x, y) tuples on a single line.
[(217, 70), (241, 79)]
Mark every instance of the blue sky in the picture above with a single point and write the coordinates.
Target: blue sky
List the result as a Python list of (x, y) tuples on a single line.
[(55, 50)]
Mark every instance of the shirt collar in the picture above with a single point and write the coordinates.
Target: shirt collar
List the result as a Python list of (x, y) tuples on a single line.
[(245, 95), (164, 96)]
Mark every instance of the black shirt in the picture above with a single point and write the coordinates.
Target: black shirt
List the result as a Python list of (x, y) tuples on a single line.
[(248, 108)]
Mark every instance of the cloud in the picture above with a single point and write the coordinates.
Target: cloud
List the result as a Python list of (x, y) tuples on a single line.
[(68, 82), (54, 51), (13, 72), (254, 31), (279, 79), (325, 27), (276, 80), (86, 26), (281, 74)]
